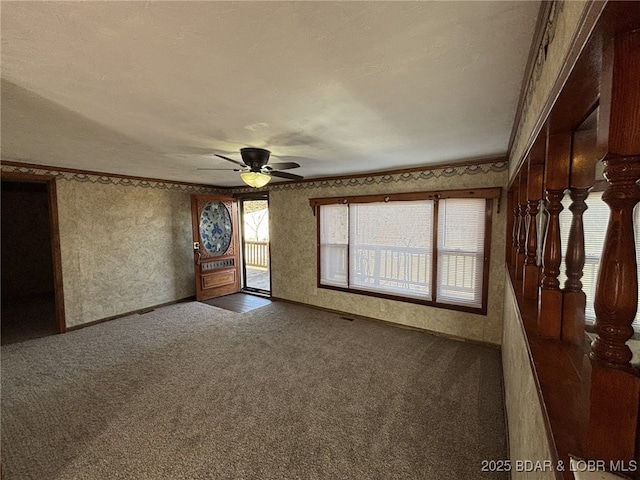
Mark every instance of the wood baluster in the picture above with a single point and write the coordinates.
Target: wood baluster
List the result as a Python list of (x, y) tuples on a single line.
[(556, 181), (615, 385), (584, 158), (616, 298), (516, 227), (522, 226), (512, 226), (574, 299), (531, 280)]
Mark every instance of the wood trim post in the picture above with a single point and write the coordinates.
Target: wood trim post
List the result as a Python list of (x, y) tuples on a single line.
[(615, 385), (583, 172), (556, 181), (522, 225), (511, 226), (531, 279), (517, 221)]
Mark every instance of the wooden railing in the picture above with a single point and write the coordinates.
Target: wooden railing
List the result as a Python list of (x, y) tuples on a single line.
[(391, 266), (256, 254), (402, 267), (591, 390)]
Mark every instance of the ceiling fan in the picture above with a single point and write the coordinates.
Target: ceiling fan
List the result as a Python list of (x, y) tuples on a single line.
[(255, 167)]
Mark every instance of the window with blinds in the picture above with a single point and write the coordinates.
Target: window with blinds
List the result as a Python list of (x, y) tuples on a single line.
[(427, 250), (334, 243), (391, 247), (595, 220), (461, 243)]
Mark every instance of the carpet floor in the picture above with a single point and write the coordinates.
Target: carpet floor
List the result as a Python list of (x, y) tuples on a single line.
[(192, 391)]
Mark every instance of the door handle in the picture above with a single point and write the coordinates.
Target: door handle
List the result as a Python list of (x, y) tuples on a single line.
[(196, 249)]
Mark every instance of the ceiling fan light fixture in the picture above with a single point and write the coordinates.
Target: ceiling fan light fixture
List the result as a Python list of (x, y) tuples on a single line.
[(255, 179)]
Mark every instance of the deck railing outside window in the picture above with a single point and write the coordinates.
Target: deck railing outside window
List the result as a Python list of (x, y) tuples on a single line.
[(404, 268), (256, 253)]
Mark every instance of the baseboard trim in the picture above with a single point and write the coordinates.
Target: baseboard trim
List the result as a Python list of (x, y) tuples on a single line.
[(133, 312), (387, 322)]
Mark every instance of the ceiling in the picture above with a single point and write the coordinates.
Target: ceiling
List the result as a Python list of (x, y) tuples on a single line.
[(153, 89)]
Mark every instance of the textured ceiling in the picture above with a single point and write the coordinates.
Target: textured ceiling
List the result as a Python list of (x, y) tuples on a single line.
[(152, 89)]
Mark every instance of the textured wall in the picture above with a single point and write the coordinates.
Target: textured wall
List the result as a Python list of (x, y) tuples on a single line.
[(294, 263), (123, 248), (125, 242), (527, 430), (560, 31)]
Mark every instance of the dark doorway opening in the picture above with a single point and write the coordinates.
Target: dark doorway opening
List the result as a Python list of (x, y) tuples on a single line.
[(28, 263), (256, 260)]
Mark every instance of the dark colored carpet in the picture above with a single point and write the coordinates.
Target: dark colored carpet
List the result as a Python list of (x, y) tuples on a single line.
[(194, 392)]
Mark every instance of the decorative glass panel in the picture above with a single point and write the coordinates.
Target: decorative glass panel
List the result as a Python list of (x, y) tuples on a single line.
[(215, 228)]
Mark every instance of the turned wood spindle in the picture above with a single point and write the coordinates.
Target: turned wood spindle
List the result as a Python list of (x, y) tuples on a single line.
[(514, 233), (616, 300), (584, 157), (575, 256), (574, 301), (522, 240), (552, 254), (614, 410), (522, 226), (556, 181), (532, 233), (531, 280)]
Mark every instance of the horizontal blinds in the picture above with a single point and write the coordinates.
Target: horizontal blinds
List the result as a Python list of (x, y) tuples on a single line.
[(391, 247), (334, 242), (461, 225)]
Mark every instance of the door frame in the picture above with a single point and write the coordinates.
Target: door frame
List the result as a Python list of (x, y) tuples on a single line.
[(241, 197), (50, 182)]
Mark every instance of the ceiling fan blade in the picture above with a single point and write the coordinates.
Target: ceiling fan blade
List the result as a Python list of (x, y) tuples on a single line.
[(230, 160), (289, 176), (284, 165), (226, 169)]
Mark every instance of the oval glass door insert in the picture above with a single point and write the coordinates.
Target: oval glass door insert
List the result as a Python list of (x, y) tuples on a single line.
[(215, 228)]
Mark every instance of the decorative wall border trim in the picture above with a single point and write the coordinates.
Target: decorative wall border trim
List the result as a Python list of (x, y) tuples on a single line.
[(539, 35), (424, 173), (387, 178), (552, 11), (586, 23), (105, 179)]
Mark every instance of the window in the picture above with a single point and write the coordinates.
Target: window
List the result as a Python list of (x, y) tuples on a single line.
[(461, 251), (391, 247), (427, 247)]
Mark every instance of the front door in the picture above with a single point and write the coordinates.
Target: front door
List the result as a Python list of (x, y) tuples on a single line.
[(215, 245)]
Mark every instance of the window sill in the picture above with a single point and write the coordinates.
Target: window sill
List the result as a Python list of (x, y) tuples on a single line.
[(399, 298), (561, 372)]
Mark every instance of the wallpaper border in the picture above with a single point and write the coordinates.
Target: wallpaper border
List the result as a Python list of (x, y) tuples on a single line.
[(356, 180), (86, 177), (387, 178), (546, 41)]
